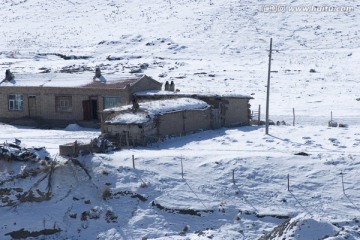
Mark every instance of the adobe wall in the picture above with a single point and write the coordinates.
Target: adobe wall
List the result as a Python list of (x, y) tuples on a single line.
[(45, 101), (170, 124), (235, 112), (119, 134), (195, 120), (162, 126), (131, 134), (74, 149), (183, 122)]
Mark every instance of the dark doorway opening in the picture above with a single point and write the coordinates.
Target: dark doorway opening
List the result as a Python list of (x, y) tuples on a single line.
[(90, 110), (32, 106), (94, 109)]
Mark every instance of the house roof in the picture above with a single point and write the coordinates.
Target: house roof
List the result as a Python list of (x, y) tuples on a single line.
[(113, 84), (148, 110), (84, 79), (155, 93)]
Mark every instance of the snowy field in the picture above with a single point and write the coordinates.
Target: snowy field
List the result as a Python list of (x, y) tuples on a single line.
[(207, 46), (155, 201)]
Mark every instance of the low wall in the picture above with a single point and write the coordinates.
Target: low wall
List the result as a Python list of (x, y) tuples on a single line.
[(74, 149)]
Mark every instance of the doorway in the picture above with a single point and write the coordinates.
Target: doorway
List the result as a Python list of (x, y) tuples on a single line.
[(94, 109), (90, 109), (32, 106)]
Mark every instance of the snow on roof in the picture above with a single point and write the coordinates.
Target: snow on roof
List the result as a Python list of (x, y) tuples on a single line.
[(130, 118), (149, 109), (84, 79), (156, 93)]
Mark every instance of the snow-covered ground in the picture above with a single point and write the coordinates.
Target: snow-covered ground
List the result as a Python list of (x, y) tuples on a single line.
[(155, 201), (207, 46)]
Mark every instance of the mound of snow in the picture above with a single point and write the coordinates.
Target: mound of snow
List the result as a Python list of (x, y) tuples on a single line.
[(111, 234), (302, 228), (73, 127)]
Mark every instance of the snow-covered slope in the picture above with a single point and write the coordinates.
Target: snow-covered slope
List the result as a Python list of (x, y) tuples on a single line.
[(208, 46), (235, 186)]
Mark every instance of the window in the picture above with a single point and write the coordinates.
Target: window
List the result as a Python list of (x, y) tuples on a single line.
[(16, 102), (63, 103), (110, 102)]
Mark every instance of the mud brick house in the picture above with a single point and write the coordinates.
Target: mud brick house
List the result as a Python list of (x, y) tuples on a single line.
[(159, 114), (153, 120), (65, 98), (227, 109)]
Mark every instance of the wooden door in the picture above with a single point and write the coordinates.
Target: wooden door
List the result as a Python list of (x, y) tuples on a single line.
[(215, 118), (87, 110), (32, 106)]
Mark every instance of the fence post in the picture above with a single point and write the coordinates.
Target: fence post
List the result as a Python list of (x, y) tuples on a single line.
[(233, 176), (133, 161), (293, 116), (342, 181), (259, 114), (182, 168), (288, 180)]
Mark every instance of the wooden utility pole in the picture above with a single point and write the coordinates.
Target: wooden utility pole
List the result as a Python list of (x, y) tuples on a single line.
[(268, 91), (293, 116)]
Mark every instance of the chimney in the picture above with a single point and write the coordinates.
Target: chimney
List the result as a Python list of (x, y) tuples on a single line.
[(167, 87), (8, 75), (97, 73), (135, 106), (172, 87)]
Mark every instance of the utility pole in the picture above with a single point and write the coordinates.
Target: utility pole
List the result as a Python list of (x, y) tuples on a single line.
[(268, 91)]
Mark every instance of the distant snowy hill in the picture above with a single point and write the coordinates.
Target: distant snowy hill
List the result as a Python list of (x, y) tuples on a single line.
[(202, 45), (207, 46)]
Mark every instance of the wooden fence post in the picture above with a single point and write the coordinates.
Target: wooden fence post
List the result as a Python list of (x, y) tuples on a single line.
[(288, 182), (133, 161), (233, 176), (293, 116), (182, 168), (259, 114), (342, 181), (331, 116)]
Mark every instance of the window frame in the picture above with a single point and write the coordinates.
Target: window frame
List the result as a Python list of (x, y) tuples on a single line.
[(15, 102), (63, 103), (114, 103)]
